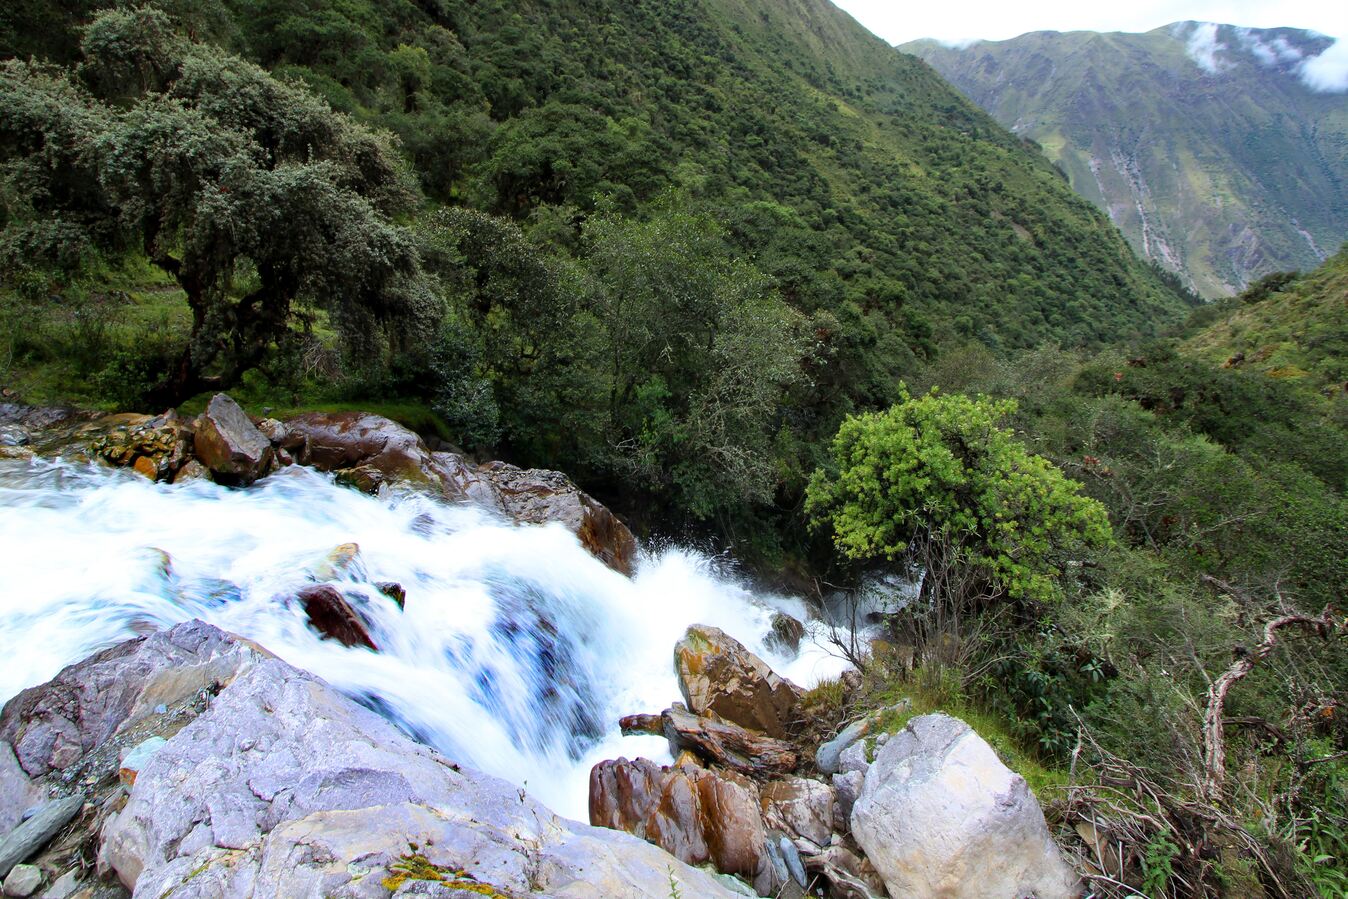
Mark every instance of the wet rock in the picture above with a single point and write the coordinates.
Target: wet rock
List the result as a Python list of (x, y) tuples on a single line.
[(394, 591), (937, 804), (324, 797), (535, 496), (155, 448), (272, 429), (52, 726), (332, 616), (748, 752), (786, 634), (23, 881), (14, 435), (463, 481), (348, 441), (801, 807), (229, 444), (192, 470), (697, 815), (30, 836), (719, 676)]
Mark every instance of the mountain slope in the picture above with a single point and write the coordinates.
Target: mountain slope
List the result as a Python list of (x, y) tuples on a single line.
[(849, 172), (1201, 141), (1296, 330)]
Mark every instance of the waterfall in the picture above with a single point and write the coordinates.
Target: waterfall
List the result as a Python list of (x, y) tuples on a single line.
[(516, 653)]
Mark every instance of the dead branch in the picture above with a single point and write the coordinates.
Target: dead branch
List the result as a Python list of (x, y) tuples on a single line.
[(1214, 719)]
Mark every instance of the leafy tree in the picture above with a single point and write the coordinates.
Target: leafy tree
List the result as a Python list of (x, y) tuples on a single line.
[(260, 201), (938, 477), (698, 352)]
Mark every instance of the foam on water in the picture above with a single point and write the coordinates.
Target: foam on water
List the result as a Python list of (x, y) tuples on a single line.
[(516, 654)]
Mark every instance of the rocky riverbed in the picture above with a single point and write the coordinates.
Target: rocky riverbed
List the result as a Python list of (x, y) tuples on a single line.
[(193, 762)]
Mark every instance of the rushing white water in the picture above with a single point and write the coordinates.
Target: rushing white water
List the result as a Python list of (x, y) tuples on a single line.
[(517, 651)]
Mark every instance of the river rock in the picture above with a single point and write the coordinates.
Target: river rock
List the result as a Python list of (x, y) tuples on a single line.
[(536, 496), (23, 881), (698, 815), (332, 616), (937, 804), (847, 788), (748, 752), (50, 727), (229, 444), (284, 787), (368, 451), (719, 676), (786, 634), (350, 441), (64, 887), (799, 806), (30, 836), (17, 792)]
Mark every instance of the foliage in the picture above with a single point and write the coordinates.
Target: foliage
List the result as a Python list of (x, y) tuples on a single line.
[(256, 198), (940, 468)]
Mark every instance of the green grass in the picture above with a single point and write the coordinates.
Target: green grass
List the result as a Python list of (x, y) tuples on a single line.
[(1048, 781)]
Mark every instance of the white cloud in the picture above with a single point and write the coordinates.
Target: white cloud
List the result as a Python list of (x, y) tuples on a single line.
[(1328, 72), (997, 20), (1268, 53), (1203, 47)]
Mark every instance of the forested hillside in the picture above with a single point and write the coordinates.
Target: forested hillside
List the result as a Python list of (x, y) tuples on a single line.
[(1202, 141), (494, 174)]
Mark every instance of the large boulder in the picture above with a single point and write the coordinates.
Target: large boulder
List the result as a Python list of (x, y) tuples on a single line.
[(719, 676), (536, 496), (698, 815), (284, 787), (365, 447), (801, 807), (229, 444), (51, 727), (940, 816), (370, 450)]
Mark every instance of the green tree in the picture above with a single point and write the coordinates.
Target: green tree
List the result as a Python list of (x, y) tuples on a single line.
[(937, 480), (261, 202), (698, 354)]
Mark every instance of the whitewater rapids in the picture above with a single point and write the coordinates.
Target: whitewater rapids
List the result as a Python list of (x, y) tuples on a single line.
[(516, 654)]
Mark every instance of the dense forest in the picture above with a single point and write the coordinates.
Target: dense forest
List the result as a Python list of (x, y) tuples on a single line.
[(674, 248)]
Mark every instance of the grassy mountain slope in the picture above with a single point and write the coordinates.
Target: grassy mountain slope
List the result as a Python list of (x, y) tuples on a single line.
[(1298, 331), (1221, 175)]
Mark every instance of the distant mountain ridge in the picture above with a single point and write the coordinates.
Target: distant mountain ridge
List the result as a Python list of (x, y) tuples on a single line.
[(1203, 142)]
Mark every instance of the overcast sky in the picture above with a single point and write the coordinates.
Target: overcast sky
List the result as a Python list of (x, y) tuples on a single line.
[(955, 20)]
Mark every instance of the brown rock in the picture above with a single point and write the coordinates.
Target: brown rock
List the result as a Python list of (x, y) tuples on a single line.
[(787, 632), (697, 815), (537, 496), (229, 444), (720, 742), (394, 591), (347, 441), (801, 807), (718, 676), (192, 471), (332, 616), (145, 467)]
